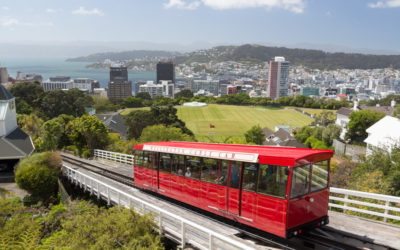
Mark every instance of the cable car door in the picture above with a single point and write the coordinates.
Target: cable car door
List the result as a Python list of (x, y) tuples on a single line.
[(233, 189)]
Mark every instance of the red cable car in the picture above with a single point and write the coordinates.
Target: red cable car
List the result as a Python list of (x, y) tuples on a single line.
[(279, 190)]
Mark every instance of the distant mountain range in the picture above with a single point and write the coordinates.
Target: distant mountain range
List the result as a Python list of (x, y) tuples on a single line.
[(257, 53), (124, 55)]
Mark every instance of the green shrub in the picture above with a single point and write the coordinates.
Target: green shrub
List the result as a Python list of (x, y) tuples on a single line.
[(38, 175)]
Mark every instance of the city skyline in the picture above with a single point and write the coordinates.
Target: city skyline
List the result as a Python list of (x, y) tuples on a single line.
[(341, 25)]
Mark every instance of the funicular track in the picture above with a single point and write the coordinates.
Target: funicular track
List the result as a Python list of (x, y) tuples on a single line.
[(315, 239)]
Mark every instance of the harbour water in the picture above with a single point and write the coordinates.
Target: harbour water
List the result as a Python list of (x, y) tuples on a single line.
[(48, 67)]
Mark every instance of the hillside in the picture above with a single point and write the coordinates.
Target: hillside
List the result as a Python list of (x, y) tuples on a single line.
[(317, 59), (124, 56), (309, 58)]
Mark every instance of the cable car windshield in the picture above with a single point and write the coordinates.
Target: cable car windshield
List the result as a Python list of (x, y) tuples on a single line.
[(309, 178)]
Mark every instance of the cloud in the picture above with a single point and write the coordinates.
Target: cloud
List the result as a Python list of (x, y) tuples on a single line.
[(385, 4), (180, 4), (296, 6), (50, 10), (5, 8), (85, 12), (11, 22)]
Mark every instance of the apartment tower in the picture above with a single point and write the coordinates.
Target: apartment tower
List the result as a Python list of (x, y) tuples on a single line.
[(278, 78)]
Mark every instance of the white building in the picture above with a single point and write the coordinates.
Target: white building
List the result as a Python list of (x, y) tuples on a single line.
[(83, 84), (65, 82), (384, 134), (165, 88), (211, 86), (58, 82), (14, 143)]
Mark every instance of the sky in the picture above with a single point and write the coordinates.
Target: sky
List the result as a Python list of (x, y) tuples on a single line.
[(366, 24)]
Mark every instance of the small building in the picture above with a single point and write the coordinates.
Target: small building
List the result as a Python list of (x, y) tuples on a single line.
[(115, 123), (280, 138), (15, 144), (309, 91), (384, 134), (342, 119)]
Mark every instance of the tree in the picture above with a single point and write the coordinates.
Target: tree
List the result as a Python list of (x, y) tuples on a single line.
[(87, 133), (71, 102), (167, 115), (137, 120), (132, 102), (255, 135), (160, 132), (331, 132), (53, 133), (26, 94), (31, 124), (144, 96), (89, 227), (38, 174), (187, 93), (324, 118), (360, 121)]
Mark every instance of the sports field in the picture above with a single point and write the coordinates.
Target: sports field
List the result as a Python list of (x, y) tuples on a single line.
[(236, 120), (229, 120)]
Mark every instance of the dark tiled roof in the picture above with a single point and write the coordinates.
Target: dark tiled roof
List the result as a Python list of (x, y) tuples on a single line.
[(267, 132), (17, 144), (283, 135), (344, 111), (387, 110), (115, 122), (4, 94)]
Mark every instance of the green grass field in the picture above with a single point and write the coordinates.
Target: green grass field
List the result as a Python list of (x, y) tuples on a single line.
[(236, 120)]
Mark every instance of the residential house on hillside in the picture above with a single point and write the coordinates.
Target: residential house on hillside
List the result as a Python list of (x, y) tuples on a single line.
[(343, 114), (115, 123), (280, 138), (384, 134), (342, 119), (15, 144)]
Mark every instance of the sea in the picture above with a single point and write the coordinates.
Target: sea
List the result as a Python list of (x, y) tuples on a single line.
[(49, 67)]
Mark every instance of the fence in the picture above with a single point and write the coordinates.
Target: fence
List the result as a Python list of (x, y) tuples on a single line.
[(178, 227), (353, 151), (365, 203), (113, 156)]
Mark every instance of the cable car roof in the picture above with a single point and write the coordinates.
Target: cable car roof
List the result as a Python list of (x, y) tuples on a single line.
[(247, 153)]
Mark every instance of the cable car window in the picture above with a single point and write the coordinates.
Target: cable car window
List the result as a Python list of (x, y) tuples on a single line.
[(178, 164), (165, 163), (235, 174), (193, 167), (250, 176), (300, 181), (223, 173), (209, 170), (272, 180), (139, 158), (319, 177), (147, 159)]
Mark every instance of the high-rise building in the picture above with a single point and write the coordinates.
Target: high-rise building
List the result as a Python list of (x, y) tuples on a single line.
[(278, 78), (118, 74), (3, 75), (165, 72), (119, 87)]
